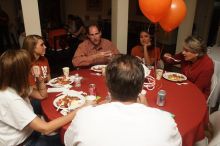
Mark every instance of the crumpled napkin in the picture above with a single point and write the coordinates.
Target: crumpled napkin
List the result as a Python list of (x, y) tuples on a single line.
[(51, 90)]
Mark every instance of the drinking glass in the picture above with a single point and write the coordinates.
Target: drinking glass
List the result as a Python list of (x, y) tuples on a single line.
[(159, 69), (66, 71)]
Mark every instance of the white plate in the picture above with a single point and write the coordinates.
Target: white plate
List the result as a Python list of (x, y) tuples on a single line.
[(175, 77), (98, 68), (53, 82), (72, 104)]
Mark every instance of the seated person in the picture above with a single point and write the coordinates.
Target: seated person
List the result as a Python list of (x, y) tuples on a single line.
[(17, 119), (58, 39), (195, 63), (123, 121), (145, 49), (71, 23), (40, 69), (94, 50), (80, 31)]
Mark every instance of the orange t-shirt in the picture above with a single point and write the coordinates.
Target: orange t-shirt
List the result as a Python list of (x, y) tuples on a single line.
[(138, 51)]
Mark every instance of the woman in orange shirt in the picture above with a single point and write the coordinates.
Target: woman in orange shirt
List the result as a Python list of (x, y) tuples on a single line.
[(145, 50)]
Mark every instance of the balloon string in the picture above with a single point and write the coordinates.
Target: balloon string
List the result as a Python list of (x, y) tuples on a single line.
[(148, 28), (164, 35), (155, 50)]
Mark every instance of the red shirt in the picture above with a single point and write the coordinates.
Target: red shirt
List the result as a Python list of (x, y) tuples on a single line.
[(200, 72), (83, 55), (139, 51), (42, 62)]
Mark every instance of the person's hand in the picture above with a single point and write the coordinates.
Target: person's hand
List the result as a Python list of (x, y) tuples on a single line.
[(104, 54), (167, 55), (139, 58), (40, 79), (92, 103)]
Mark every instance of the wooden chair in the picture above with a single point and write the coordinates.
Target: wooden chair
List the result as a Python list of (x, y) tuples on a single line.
[(57, 39)]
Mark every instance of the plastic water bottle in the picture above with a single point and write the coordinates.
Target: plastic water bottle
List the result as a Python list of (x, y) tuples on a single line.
[(161, 97)]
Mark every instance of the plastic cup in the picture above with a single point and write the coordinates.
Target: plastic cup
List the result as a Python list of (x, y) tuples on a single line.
[(66, 71), (36, 70), (159, 73)]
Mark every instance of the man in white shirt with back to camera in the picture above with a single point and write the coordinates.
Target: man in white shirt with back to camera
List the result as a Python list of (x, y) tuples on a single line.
[(123, 121)]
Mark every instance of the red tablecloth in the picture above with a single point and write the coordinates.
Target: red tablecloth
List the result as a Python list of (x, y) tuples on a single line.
[(186, 102)]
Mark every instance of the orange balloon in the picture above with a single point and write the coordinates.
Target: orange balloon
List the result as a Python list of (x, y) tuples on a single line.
[(154, 10), (174, 16)]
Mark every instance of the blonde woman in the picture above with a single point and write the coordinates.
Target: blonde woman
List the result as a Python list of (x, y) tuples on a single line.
[(40, 69), (195, 63)]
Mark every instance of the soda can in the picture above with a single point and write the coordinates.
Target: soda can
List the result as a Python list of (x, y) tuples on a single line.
[(92, 89), (161, 97)]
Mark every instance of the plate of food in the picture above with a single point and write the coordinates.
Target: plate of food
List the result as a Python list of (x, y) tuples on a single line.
[(98, 68), (60, 81), (70, 101), (175, 77)]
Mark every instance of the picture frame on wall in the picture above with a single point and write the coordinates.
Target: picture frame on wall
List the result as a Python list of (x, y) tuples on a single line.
[(94, 5)]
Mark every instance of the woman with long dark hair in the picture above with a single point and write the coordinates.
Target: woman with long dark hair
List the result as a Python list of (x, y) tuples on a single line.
[(145, 50)]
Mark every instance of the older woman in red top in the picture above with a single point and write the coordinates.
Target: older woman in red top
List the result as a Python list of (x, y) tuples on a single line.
[(195, 63), (145, 50)]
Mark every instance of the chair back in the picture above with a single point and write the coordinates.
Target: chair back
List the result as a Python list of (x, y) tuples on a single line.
[(214, 119), (57, 39), (212, 99)]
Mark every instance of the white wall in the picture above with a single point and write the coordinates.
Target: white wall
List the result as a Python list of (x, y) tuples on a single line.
[(31, 17), (120, 24), (185, 28)]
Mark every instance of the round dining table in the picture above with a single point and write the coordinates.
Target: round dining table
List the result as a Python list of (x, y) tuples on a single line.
[(185, 101)]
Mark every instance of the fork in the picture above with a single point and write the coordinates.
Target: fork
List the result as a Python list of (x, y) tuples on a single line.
[(176, 60), (58, 107), (181, 83)]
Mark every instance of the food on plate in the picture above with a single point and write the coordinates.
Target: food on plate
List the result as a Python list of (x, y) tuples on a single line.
[(176, 77), (62, 81), (67, 101)]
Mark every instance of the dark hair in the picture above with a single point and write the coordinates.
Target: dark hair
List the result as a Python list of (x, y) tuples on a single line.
[(125, 77), (30, 43), (14, 70), (151, 39), (196, 45), (79, 22), (93, 25)]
